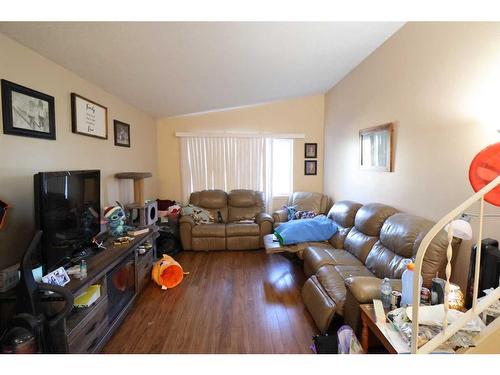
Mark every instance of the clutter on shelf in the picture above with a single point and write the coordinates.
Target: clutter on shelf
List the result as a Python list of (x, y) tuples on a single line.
[(430, 320)]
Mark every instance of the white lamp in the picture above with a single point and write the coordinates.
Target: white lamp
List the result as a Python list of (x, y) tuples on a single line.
[(461, 229)]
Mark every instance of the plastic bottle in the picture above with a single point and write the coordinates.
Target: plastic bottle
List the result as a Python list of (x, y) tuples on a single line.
[(407, 280), (386, 293), (83, 269)]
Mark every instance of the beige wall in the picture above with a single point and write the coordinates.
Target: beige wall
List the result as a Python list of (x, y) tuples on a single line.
[(304, 115), (21, 157), (440, 84)]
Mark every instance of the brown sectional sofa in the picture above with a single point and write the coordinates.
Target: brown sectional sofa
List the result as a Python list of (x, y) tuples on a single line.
[(230, 234), (373, 242)]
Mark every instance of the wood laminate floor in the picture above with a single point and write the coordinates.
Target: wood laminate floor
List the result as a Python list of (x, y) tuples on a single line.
[(231, 302)]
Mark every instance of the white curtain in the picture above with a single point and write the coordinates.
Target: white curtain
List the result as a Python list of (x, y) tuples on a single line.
[(224, 163)]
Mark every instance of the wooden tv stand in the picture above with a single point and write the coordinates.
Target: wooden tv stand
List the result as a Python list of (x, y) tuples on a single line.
[(88, 329)]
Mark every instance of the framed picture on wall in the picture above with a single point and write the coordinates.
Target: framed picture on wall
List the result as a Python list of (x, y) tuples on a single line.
[(310, 167), (376, 148), (122, 134), (27, 112), (88, 117), (310, 150)]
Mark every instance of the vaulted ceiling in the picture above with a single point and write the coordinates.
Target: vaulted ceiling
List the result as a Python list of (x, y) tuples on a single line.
[(173, 68)]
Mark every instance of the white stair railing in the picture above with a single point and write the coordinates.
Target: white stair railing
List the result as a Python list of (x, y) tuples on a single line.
[(477, 308)]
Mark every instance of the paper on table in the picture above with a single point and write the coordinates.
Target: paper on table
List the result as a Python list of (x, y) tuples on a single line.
[(394, 337)]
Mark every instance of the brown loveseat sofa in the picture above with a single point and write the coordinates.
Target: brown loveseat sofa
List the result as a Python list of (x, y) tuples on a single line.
[(372, 243), (231, 233)]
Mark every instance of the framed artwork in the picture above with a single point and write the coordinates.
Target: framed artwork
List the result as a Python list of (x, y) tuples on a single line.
[(376, 148), (310, 167), (311, 150), (88, 117), (122, 134), (27, 112)]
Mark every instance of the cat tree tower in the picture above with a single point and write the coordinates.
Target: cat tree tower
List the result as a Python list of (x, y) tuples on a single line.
[(141, 213)]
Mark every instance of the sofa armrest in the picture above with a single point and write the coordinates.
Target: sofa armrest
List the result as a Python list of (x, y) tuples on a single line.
[(263, 216), (265, 222), (186, 219), (365, 288), (280, 216), (186, 224)]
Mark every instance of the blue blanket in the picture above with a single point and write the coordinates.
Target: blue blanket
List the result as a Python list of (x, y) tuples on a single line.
[(319, 228)]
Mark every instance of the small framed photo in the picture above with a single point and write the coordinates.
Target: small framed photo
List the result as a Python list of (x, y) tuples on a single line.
[(27, 112), (88, 117), (311, 150), (376, 148), (57, 277), (122, 134), (310, 167)]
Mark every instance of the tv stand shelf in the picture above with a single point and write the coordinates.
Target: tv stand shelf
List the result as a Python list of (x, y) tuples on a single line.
[(122, 273)]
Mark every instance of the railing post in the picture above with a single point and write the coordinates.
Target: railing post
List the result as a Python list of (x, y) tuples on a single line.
[(449, 254), (478, 254)]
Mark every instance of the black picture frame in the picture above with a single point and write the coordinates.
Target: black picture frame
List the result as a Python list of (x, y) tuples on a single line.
[(310, 167), (117, 125), (39, 112), (308, 147)]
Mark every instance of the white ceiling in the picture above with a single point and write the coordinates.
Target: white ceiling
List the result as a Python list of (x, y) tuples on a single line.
[(173, 68)]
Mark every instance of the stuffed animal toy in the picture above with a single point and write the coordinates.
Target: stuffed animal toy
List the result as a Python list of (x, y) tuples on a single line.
[(167, 273), (291, 211), (116, 217)]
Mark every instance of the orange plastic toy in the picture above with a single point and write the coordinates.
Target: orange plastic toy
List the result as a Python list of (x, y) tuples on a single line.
[(167, 272)]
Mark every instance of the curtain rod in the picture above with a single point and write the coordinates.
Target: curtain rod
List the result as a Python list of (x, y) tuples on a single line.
[(240, 135)]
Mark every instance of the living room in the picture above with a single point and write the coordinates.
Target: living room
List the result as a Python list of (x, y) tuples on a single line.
[(200, 163)]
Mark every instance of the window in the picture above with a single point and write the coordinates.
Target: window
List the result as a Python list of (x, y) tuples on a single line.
[(282, 167), (237, 162)]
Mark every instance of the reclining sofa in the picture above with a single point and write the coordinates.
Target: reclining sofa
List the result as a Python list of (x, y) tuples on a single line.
[(243, 224), (373, 242)]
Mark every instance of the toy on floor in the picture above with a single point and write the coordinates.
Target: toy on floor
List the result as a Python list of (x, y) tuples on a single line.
[(167, 272), (116, 217)]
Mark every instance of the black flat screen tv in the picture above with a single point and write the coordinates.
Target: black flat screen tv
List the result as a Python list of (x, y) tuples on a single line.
[(67, 209)]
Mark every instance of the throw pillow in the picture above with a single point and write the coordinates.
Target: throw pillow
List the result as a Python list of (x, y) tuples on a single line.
[(291, 211)]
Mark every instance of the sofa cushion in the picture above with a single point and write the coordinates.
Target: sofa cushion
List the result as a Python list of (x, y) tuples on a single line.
[(352, 271), (333, 285), (244, 204), (370, 218), (400, 238), (245, 198), (235, 230), (317, 256), (209, 198), (306, 201), (344, 212), (214, 201), (359, 244), (367, 225), (209, 230), (320, 305)]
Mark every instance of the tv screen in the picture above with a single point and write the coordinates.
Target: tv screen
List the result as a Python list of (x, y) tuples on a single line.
[(68, 208)]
